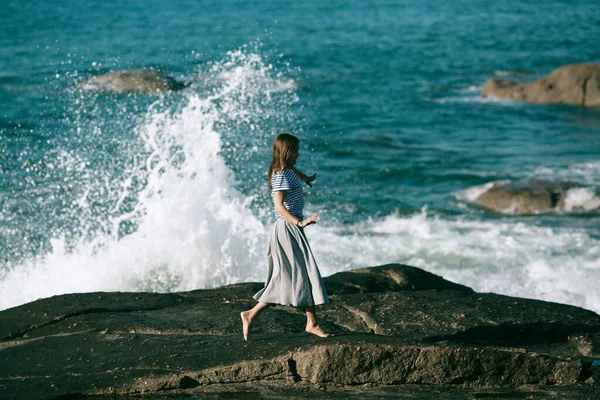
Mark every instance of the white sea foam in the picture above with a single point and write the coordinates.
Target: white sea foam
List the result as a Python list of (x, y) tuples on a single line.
[(475, 99), (194, 229), (472, 89), (587, 173), (510, 73), (187, 248), (581, 199), (242, 67), (511, 258), (472, 193)]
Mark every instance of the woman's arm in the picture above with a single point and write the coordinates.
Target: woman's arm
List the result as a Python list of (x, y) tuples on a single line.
[(280, 208), (307, 179)]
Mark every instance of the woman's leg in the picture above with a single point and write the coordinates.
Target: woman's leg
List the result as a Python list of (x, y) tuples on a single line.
[(248, 316), (311, 323)]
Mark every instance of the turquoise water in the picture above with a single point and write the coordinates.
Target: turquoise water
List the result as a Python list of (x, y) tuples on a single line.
[(102, 191)]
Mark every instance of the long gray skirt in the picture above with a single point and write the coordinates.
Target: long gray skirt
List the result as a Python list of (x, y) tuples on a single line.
[(293, 278)]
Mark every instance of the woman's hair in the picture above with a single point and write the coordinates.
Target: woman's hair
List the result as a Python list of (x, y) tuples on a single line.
[(283, 146)]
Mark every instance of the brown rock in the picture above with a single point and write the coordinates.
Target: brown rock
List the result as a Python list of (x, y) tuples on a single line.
[(588, 344), (576, 84), (132, 80), (525, 197)]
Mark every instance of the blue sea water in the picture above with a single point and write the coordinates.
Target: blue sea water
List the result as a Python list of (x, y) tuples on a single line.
[(105, 191)]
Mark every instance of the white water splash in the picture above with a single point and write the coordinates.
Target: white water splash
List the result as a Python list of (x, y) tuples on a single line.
[(195, 230), (511, 258)]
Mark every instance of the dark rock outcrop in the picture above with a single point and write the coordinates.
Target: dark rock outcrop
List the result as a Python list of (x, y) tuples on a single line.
[(388, 278), (395, 325), (576, 84), (528, 197), (132, 80)]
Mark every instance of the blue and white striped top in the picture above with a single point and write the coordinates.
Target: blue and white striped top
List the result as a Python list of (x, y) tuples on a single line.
[(293, 199)]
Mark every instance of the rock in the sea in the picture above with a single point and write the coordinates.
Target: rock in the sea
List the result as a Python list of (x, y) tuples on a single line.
[(132, 80), (529, 197), (577, 84), (394, 325)]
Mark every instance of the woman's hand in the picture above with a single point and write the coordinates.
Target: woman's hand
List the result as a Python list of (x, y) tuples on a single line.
[(309, 179), (309, 221)]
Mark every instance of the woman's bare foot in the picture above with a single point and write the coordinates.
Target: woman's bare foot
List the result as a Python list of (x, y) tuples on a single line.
[(316, 330), (246, 321)]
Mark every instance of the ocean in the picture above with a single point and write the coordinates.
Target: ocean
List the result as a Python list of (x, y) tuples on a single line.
[(103, 191)]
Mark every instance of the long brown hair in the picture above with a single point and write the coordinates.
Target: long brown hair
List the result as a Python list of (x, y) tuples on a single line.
[(283, 146)]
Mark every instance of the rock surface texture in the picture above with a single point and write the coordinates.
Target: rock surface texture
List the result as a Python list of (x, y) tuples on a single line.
[(576, 84), (132, 80), (527, 197), (400, 332)]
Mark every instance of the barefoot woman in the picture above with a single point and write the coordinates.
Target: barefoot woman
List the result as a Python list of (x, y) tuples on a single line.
[(293, 278)]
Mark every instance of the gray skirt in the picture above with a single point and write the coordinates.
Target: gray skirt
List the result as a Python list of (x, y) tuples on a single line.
[(293, 278)]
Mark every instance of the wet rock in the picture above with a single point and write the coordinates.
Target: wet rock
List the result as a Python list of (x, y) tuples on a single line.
[(388, 278), (576, 84), (394, 325), (588, 344), (527, 197), (132, 80)]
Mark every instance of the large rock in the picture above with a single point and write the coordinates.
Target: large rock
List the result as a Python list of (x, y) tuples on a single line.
[(531, 197), (577, 84), (388, 278), (132, 80), (395, 325)]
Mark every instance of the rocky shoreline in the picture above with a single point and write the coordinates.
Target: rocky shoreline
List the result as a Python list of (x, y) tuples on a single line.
[(400, 332)]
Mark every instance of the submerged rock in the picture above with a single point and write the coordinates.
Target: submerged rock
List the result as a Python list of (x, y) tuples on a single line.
[(577, 84), (395, 325), (537, 196), (132, 80)]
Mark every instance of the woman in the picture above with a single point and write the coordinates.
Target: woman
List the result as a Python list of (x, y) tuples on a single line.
[(293, 278)]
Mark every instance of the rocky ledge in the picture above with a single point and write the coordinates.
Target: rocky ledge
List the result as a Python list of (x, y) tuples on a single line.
[(400, 332), (575, 84)]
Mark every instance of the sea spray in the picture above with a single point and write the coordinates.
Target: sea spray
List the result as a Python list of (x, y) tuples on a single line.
[(505, 256), (173, 199), (171, 217)]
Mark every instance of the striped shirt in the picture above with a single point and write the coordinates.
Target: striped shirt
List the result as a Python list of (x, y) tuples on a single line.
[(293, 199)]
